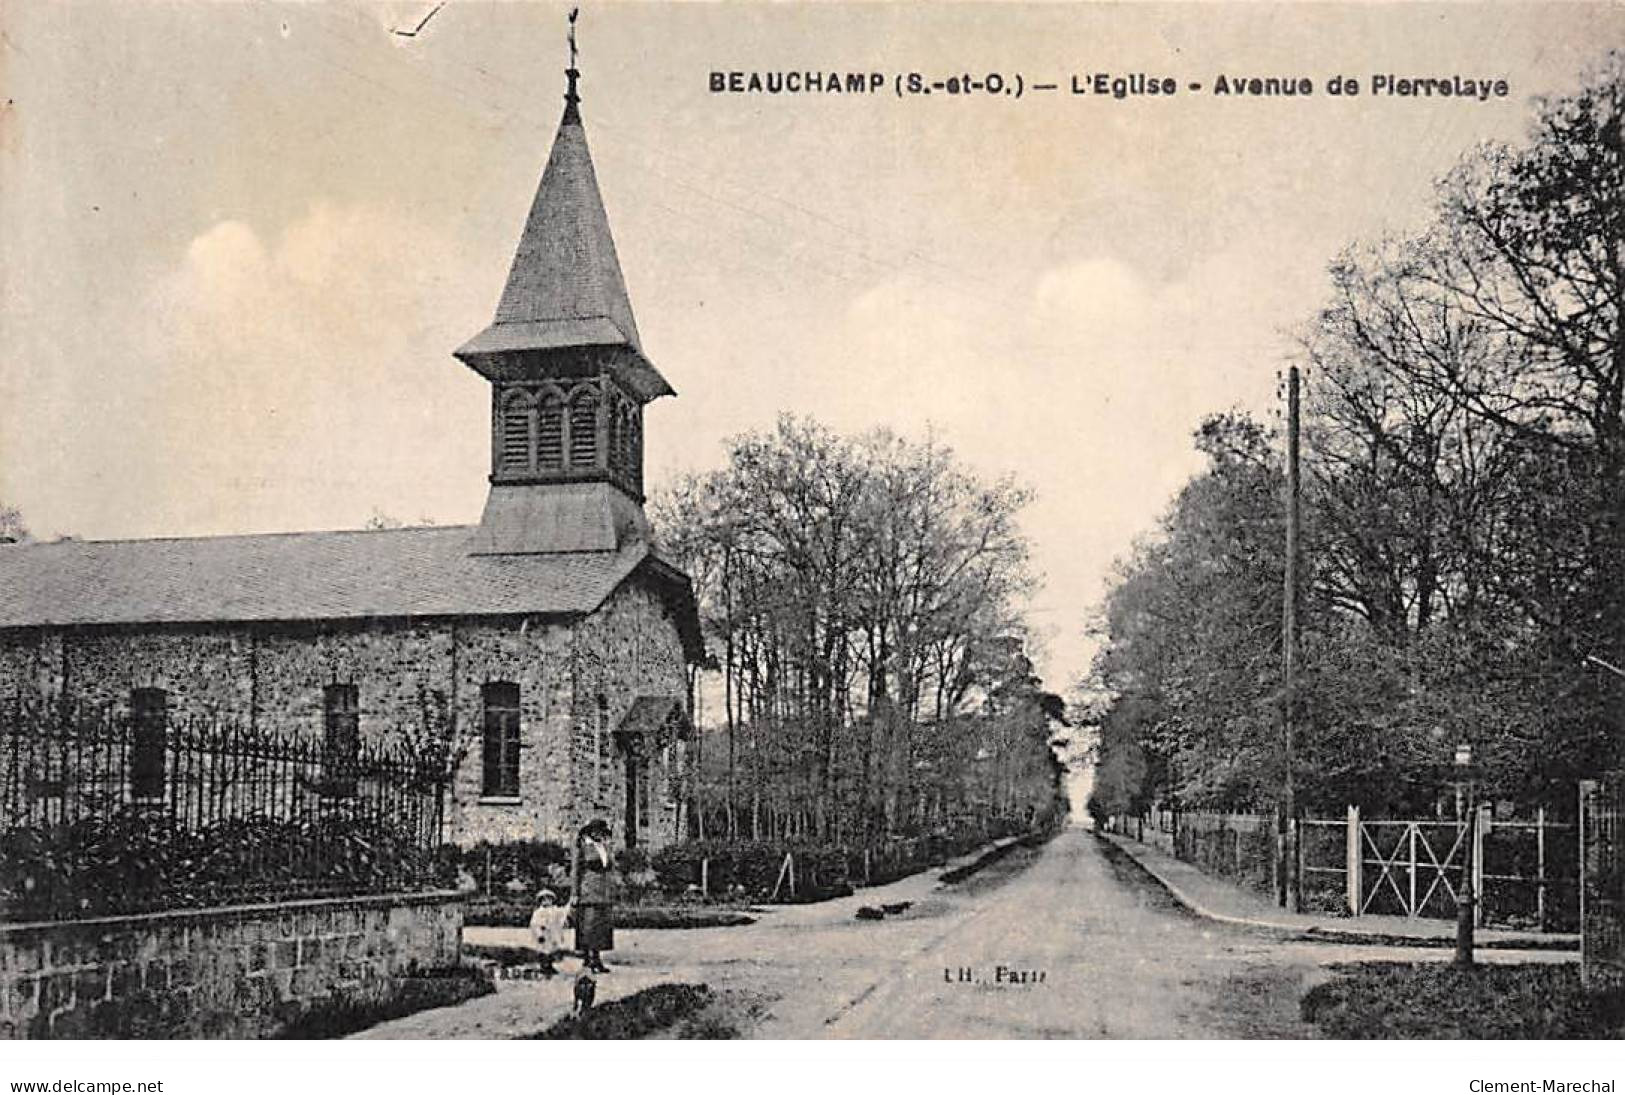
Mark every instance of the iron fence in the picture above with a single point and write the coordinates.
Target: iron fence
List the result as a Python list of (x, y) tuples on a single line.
[(119, 811)]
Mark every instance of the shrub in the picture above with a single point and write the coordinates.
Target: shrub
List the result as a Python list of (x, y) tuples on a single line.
[(1437, 1000), (751, 869), (678, 916), (517, 867), (136, 861), (498, 910)]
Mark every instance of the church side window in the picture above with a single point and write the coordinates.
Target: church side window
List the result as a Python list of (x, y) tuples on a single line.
[(600, 728), (149, 722), (584, 430), (518, 427), (501, 746), (341, 736)]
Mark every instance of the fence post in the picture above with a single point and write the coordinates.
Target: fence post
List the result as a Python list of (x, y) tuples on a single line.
[(1588, 787), (705, 876), (1295, 831), (1410, 829), (1540, 868), (1352, 859), (1481, 829), (1277, 875)]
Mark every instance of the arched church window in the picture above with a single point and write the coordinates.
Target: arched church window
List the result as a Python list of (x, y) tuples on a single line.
[(518, 427), (584, 429), (550, 433)]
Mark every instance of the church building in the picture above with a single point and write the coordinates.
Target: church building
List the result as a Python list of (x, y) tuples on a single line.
[(550, 641)]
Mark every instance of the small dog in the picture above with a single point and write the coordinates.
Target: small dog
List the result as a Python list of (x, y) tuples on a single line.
[(586, 989)]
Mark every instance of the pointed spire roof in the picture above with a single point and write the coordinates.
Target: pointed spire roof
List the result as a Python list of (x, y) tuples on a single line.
[(565, 288)]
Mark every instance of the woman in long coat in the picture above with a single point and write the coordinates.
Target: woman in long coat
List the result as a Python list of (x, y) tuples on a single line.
[(592, 878)]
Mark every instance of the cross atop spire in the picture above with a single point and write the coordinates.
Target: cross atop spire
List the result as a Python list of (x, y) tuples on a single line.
[(571, 111)]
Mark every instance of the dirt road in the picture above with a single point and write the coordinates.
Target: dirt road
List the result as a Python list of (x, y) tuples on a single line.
[(1069, 940), (1063, 941)]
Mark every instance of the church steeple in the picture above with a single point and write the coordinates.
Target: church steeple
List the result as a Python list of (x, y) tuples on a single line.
[(568, 374)]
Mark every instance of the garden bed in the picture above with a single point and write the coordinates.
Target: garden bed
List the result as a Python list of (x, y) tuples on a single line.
[(503, 956), (650, 1011), (505, 913), (417, 992), (1438, 1000)]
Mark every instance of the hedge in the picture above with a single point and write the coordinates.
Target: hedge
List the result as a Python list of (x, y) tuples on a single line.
[(139, 862)]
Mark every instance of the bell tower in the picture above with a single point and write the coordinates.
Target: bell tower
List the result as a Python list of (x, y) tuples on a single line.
[(568, 376)]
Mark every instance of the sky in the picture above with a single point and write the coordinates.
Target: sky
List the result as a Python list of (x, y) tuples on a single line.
[(239, 241)]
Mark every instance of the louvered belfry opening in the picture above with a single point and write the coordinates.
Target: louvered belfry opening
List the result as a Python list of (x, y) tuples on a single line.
[(517, 455), (585, 451), (560, 430), (550, 436)]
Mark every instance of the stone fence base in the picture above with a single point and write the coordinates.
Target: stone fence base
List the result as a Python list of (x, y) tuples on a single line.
[(238, 972)]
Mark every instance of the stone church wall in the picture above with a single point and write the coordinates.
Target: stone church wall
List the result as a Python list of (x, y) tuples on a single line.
[(409, 675), (399, 668), (629, 648), (535, 656)]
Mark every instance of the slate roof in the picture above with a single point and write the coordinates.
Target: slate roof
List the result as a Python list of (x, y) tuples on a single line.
[(311, 576), (565, 288), (648, 715)]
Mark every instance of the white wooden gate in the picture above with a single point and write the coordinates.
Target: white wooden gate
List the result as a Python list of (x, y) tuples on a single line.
[(1405, 865), (1524, 872)]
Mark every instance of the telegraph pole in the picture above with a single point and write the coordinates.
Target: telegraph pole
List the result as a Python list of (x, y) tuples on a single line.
[(1289, 650)]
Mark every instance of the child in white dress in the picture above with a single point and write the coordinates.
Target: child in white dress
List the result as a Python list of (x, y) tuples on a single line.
[(548, 925)]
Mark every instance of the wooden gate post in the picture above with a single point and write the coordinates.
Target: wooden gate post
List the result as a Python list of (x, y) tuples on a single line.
[(1481, 829), (1352, 858), (1295, 880), (1278, 861), (1540, 868), (1410, 829), (1588, 788)]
